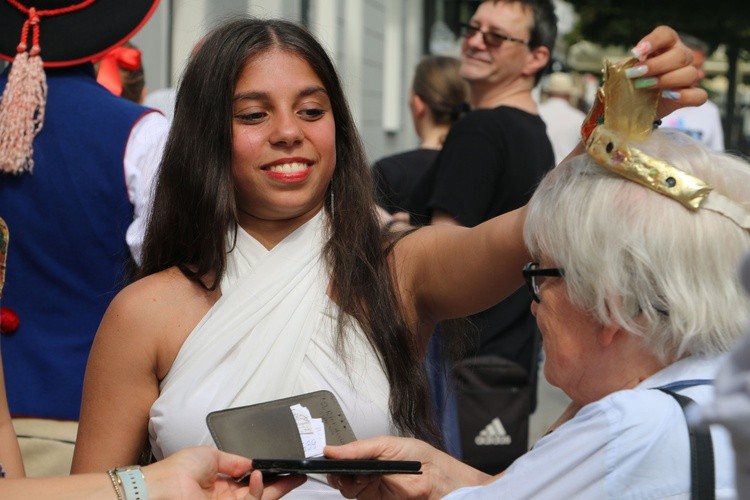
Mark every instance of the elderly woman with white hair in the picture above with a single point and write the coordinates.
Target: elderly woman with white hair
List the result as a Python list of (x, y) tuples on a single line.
[(635, 247)]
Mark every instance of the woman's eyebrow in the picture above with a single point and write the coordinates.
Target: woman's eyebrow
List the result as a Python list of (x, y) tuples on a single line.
[(313, 89), (252, 95), (265, 96)]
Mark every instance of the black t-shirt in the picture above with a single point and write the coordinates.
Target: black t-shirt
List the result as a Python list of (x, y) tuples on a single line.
[(491, 162), (398, 176)]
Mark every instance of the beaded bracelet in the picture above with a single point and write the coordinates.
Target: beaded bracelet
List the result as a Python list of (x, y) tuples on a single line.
[(115, 483)]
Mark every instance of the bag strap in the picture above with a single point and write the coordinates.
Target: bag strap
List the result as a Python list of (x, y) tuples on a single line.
[(678, 385), (702, 475)]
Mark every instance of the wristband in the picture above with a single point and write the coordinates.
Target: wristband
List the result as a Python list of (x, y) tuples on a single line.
[(133, 482)]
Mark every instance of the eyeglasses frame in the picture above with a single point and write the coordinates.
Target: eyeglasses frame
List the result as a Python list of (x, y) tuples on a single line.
[(532, 270), (469, 30)]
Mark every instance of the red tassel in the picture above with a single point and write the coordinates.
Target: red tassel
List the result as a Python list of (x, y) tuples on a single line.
[(22, 112), (25, 96)]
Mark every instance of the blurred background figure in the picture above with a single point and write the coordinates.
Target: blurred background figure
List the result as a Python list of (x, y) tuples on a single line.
[(78, 221), (120, 71), (438, 97), (701, 122), (731, 405), (559, 112)]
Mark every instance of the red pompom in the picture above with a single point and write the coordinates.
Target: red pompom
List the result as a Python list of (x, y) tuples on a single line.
[(8, 321)]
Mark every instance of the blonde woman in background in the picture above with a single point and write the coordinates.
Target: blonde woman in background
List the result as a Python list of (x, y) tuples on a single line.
[(437, 98)]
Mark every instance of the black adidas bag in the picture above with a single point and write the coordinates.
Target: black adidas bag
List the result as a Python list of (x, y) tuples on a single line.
[(494, 398)]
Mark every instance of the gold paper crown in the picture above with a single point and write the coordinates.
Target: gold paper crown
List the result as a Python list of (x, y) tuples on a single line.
[(622, 113)]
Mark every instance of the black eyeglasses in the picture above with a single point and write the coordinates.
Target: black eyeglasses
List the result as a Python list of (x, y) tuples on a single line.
[(534, 276), (491, 39)]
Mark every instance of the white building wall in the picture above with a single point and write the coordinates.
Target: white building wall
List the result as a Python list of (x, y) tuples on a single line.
[(324, 23), (351, 55)]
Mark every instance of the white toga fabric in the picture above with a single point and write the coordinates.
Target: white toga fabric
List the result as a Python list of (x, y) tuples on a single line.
[(270, 335)]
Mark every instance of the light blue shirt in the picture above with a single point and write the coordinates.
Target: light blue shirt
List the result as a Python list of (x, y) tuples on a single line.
[(632, 444)]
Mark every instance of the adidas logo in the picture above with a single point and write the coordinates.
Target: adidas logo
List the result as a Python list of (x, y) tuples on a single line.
[(493, 435)]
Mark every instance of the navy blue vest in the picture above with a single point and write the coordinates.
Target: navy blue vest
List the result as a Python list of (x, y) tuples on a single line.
[(67, 255)]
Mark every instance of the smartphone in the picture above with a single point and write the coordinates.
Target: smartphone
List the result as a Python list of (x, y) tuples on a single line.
[(273, 466)]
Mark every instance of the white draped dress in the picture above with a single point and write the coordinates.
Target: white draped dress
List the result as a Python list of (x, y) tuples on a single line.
[(271, 335)]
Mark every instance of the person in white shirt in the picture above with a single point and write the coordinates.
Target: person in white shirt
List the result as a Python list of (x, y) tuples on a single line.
[(563, 120), (700, 122)]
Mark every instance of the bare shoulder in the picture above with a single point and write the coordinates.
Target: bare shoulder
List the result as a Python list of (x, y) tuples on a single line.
[(158, 312), (166, 289), (159, 296)]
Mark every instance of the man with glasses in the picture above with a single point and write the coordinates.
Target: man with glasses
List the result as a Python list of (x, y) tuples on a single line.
[(490, 163)]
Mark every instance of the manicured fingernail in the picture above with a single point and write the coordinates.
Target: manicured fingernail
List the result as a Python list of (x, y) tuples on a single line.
[(641, 50), (670, 94), (644, 83), (636, 71)]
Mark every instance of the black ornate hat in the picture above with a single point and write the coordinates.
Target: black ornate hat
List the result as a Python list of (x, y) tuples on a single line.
[(72, 31)]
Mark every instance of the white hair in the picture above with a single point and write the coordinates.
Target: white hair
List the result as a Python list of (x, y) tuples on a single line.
[(641, 260)]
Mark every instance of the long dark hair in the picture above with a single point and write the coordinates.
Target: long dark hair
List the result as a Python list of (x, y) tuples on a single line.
[(194, 205)]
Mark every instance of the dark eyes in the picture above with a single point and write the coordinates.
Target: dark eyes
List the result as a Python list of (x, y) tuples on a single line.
[(251, 117), (309, 114), (312, 114)]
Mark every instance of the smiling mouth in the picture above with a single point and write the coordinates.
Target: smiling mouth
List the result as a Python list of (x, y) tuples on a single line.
[(288, 168), (475, 56)]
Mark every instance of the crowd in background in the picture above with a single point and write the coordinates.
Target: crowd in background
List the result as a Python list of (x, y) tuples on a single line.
[(231, 233)]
